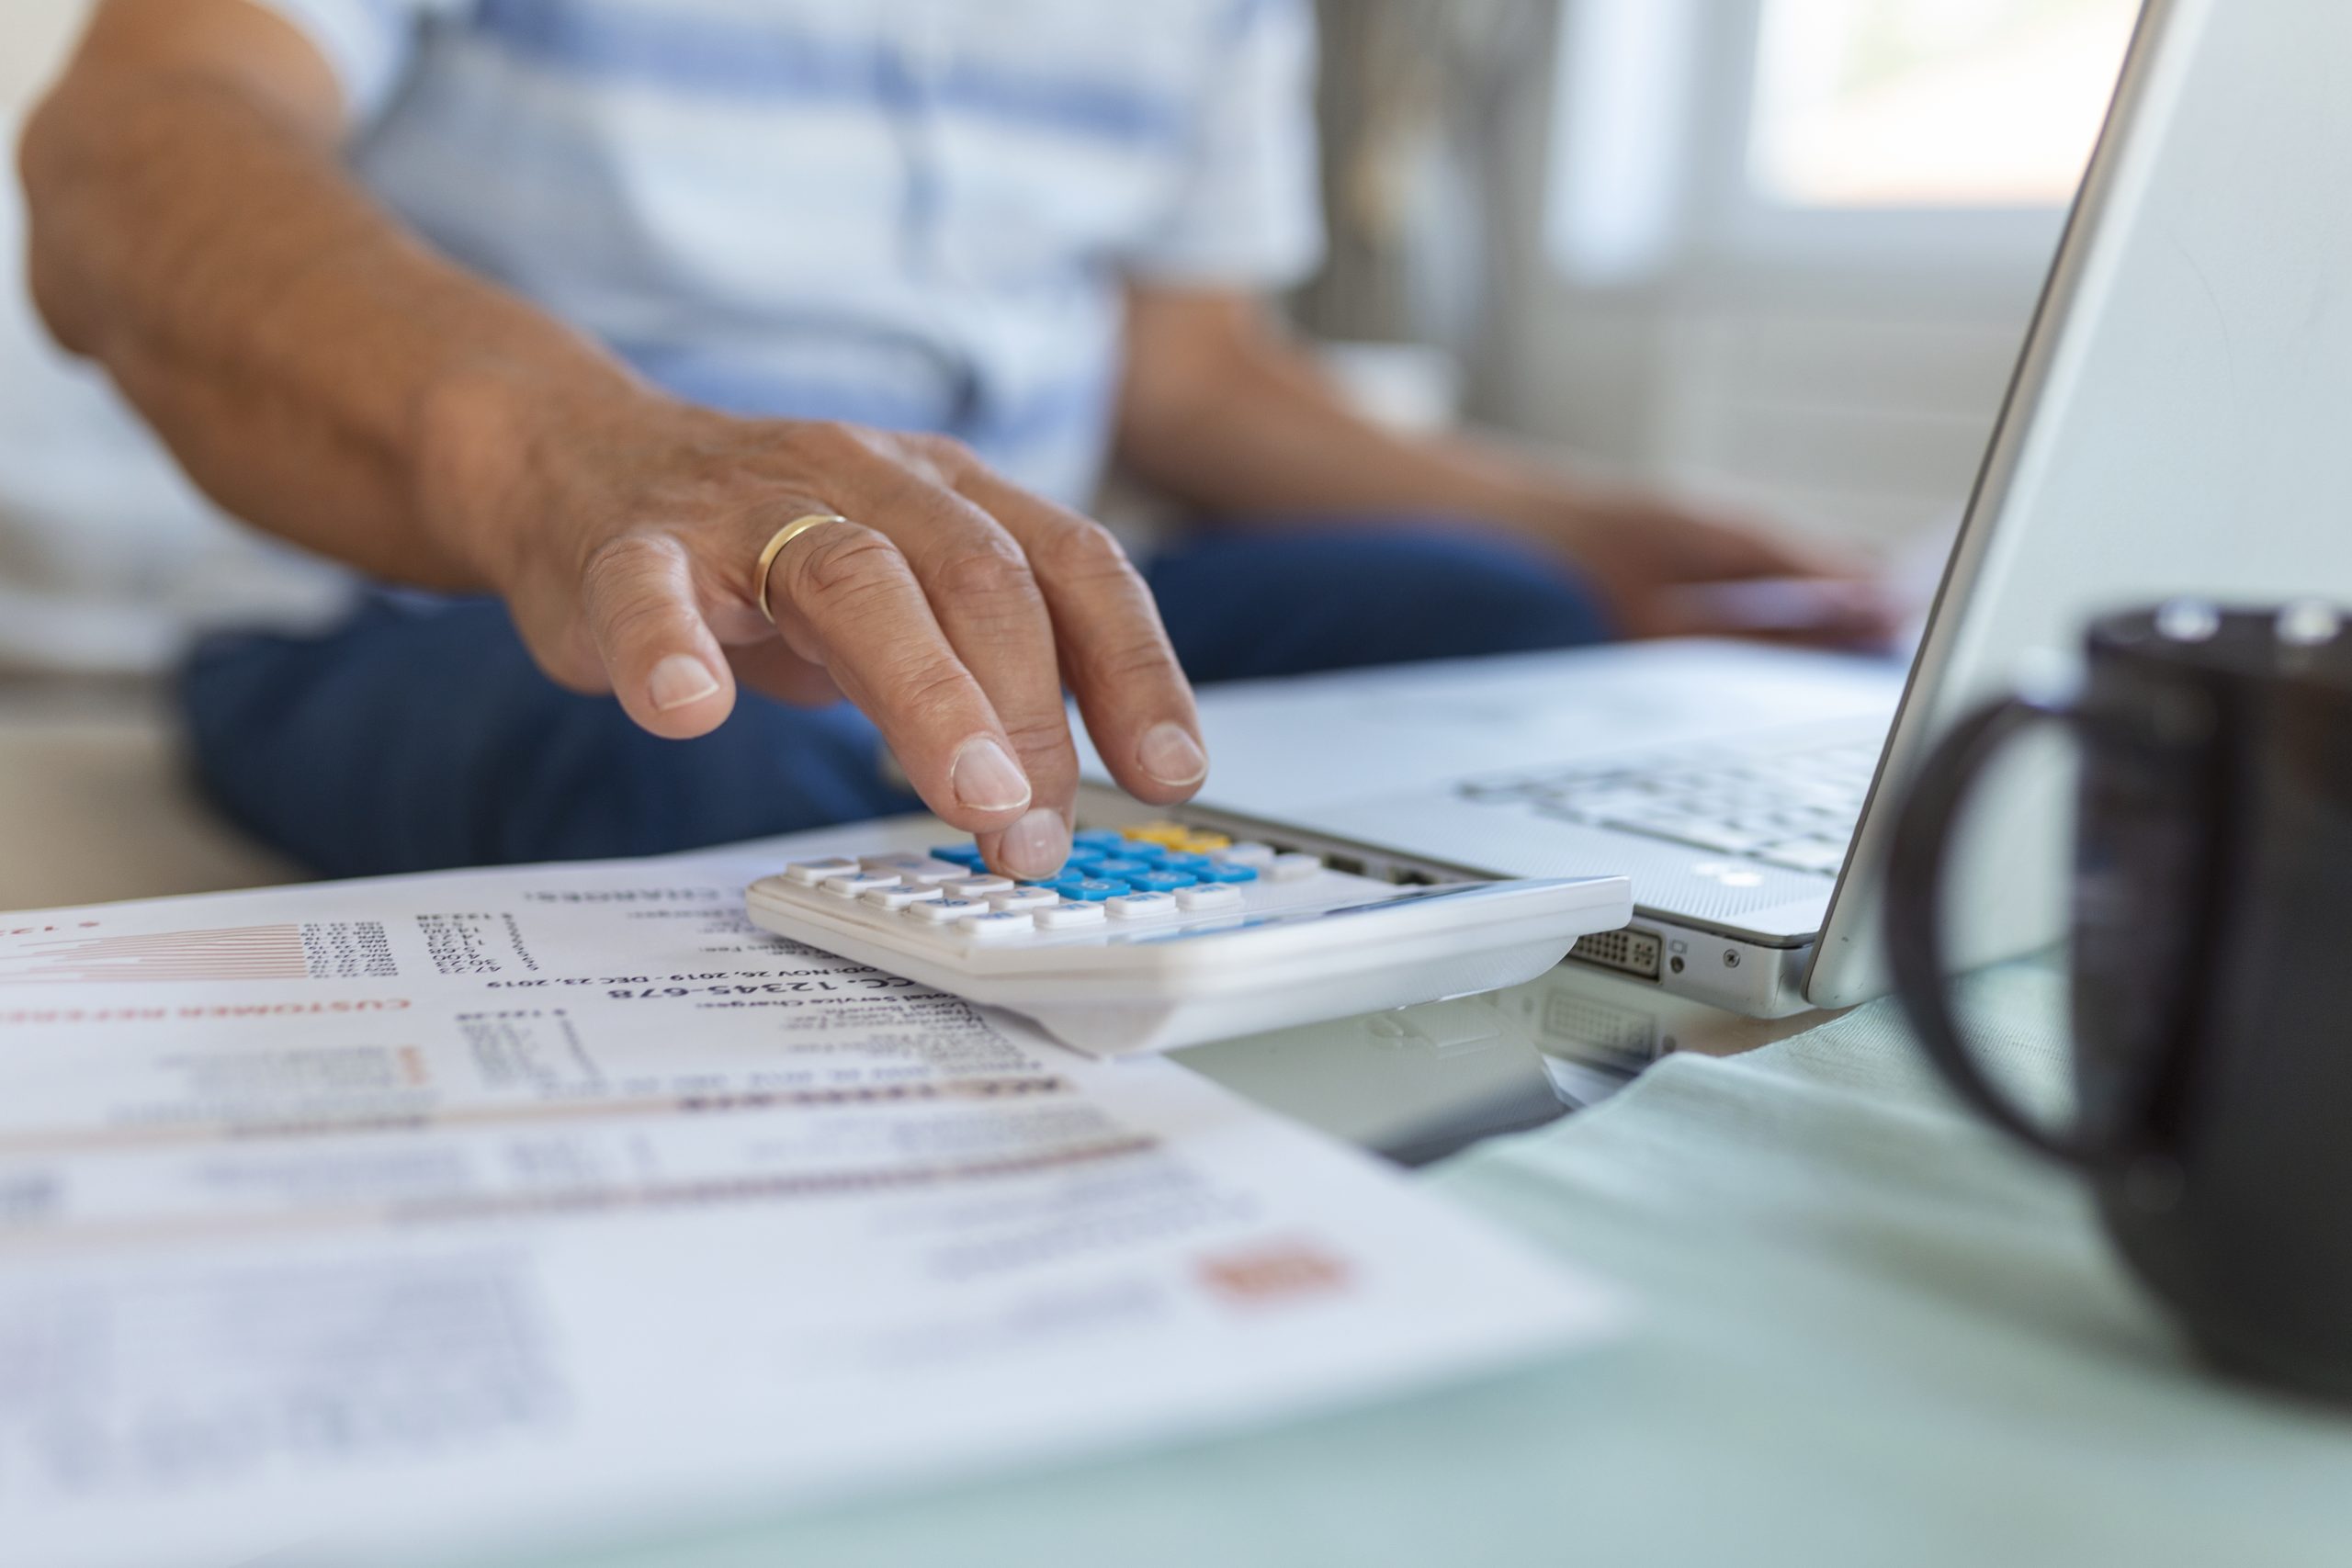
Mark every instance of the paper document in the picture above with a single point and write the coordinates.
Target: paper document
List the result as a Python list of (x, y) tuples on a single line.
[(379, 1219)]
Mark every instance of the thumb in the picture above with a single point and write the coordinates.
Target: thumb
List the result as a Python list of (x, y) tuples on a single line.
[(667, 669)]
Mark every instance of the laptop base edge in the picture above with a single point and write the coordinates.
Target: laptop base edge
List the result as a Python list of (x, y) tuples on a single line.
[(1736, 973)]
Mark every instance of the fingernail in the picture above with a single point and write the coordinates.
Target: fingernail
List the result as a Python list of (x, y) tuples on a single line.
[(986, 778), (679, 680), (1169, 754), (1037, 845)]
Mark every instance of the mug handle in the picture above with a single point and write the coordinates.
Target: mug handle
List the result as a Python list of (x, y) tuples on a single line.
[(1914, 923)]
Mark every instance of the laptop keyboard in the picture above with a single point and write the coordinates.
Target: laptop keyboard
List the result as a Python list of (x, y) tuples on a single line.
[(1796, 810)]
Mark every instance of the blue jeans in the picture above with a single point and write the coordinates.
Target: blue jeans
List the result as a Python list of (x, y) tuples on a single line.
[(415, 739)]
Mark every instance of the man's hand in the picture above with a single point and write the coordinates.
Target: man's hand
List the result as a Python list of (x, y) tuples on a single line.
[(328, 376), (625, 533), (1666, 570)]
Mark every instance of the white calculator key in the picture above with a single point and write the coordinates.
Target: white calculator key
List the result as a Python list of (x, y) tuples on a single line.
[(912, 866), (979, 887), (947, 911), (862, 882), (1294, 868), (1025, 899), (1070, 917), (899, 897), (1140, 906), (808, 873), (1256, 856), (997, 926), (1212, 896)]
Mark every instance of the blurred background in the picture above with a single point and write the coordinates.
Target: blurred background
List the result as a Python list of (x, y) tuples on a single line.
[(1780, 252)]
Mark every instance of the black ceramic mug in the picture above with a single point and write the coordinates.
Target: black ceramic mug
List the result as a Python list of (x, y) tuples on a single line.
[(2212, 964)]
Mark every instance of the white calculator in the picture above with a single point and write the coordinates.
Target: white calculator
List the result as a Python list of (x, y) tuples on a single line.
[(1160, 936)]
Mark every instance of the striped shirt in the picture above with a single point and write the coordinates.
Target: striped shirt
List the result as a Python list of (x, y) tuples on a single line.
[(918, 214)]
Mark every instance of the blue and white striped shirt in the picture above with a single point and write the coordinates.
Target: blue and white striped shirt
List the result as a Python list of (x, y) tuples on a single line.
[(910, 214)]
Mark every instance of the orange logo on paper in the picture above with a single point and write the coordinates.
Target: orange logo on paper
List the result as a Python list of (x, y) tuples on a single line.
[(1277, 1272)]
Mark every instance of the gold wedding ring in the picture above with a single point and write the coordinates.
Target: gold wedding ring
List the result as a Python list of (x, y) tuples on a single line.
[(784, 537)]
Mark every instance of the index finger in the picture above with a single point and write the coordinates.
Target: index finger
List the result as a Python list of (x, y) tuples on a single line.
[(1114, 652), (845, 596), (984, 594)]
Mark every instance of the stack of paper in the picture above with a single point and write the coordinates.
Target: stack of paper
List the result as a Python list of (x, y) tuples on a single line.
[(376, 1216)]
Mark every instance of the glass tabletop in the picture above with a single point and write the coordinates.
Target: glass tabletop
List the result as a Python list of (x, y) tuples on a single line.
[(1423, 1082)]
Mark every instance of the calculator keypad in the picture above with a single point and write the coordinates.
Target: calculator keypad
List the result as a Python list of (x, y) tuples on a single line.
[(1140, 879)]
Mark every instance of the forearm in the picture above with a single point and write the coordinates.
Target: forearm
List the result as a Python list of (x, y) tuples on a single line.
[(1231, 419), (304, 358)]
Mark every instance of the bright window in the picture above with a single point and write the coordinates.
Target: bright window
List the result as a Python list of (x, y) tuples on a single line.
[(1883, 103)]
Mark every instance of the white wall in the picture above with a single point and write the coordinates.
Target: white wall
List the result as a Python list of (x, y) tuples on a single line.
[(34, 35), (1862, 418), (1851, 396)]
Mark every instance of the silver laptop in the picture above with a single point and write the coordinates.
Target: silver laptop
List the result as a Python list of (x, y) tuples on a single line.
[(2180, 422)]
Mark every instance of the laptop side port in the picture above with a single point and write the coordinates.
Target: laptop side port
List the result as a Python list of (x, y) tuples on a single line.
[(1629, 950)]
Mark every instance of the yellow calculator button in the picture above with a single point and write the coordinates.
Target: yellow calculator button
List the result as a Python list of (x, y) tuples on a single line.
[(1167, 835), (1202, 843)]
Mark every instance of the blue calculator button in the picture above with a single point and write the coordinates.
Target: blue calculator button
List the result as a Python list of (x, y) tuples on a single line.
[(1196, 864), (1098, 838), (959, 854), (1135, 849), (1094, 890), (1124, 867), (1082, 858), (1165, 881), (1223, 873)]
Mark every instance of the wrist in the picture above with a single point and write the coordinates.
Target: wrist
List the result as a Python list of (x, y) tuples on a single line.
[(1498, 482), (503, 452), (1549, 509)]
